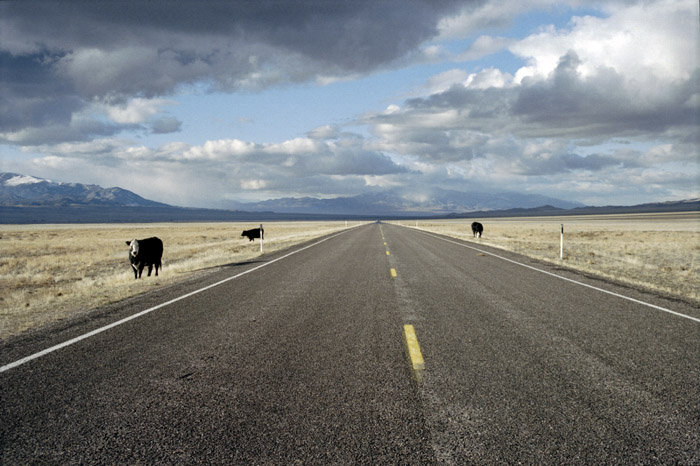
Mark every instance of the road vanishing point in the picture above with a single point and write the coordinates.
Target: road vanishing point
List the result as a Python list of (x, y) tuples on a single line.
[(381, 344)]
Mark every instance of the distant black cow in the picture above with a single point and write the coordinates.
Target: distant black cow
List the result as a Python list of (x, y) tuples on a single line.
[(477, 229), (145, 252), (254, 233)]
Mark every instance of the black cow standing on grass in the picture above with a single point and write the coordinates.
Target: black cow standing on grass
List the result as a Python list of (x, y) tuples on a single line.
[(254, 233), (145, 252), (477, 229)]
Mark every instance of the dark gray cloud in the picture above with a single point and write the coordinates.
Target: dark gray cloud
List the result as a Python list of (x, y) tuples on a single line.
[(368, 32), (465, 123), (166, 125), (31, 95), (57, 57), (543, 163), (565, 104), (600, 105)]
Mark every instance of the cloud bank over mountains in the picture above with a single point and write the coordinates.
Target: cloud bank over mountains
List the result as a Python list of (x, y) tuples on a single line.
[(600, 108)]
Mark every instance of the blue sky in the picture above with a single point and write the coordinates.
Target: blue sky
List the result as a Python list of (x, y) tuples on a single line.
[(211, 103)]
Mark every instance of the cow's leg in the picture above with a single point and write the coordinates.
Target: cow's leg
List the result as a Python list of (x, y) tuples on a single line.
[(136, 271), (141, 266), (150, 269)]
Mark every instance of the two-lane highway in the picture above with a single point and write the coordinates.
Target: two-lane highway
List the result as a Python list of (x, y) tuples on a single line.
[(301, 357)]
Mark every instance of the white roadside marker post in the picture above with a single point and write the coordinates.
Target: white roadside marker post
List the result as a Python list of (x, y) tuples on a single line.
[(561, 243)]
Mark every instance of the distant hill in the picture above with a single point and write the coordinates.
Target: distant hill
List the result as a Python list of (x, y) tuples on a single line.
[(23, 190), (396, 202), (688, 205)]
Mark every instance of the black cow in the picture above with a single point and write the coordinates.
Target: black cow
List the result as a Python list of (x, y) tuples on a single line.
[(477, 229), (254, 233), (145, 252)]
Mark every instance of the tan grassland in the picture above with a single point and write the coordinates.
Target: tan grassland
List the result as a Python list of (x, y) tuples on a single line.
[(660, 252), (52, 272)]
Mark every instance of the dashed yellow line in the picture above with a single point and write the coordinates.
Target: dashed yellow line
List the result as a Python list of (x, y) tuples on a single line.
[(393, 273), (414, 351), (388, 253)]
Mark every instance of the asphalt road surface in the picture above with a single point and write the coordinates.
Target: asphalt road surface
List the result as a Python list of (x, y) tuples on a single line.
[(301, 357)]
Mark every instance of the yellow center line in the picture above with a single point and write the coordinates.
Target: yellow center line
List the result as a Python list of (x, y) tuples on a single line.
[(388, 253), (393, 273), (414, 351)]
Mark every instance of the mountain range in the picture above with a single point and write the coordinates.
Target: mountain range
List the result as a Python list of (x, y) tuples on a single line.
[(23, 190), (28, 199), (393, 202), (17, 189)]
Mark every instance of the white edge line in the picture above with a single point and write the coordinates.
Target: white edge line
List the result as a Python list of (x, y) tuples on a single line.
[(564, 278), (72, 341)]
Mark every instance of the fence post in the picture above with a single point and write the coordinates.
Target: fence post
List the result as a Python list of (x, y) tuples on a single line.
[(561, 243), (261, 238)]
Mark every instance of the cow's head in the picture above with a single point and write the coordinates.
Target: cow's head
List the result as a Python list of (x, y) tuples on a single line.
[(133, 247)]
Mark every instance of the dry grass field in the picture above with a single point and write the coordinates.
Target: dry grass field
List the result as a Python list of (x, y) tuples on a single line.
[(51, 272), (660, 252)]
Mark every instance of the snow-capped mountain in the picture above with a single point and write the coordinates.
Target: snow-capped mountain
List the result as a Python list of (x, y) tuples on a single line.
[(23, 190)]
